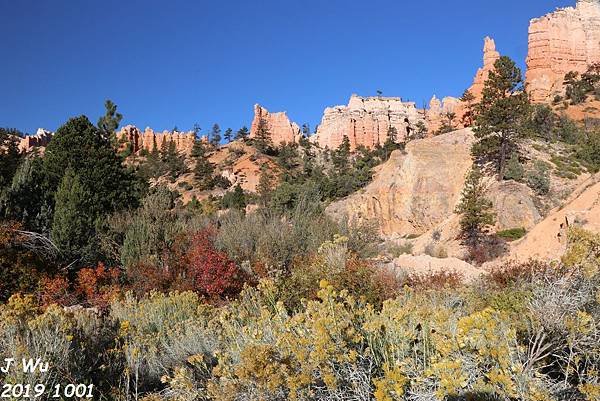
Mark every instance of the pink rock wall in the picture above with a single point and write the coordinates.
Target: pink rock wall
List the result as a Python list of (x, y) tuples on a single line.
[(184, 141), (563, 41), (281, 128), (366, 121)]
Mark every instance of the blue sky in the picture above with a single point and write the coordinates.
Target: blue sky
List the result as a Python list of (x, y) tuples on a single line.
[(181, 62)]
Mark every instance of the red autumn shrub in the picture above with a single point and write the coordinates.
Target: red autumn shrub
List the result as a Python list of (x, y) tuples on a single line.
[(210, 270), (56, 290), (97, 286)]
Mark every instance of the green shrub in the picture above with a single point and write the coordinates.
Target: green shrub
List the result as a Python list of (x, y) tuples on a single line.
[(512, 234), (538, 178)]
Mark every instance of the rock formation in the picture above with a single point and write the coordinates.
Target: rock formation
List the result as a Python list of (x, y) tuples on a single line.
[(184, 141), (490, 56), (563, 41), (548, 239), (41, 139), (413, 191), (417, 191), (366, 121), (438, 111), (279, 125)]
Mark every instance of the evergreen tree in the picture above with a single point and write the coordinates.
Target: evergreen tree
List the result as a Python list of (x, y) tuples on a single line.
[(72, 227), (447, 124), (266, 184), (84, 149), (341, 156), (110, 121), (501, 115), (475, 209), (242, 133), (391, 143), (228, 134), (174, 161), (215, 135), (235, 199), (468, 98), (305, 130), (27, 199), (420, 132), (204, 169), (262, 138), (10, 156)]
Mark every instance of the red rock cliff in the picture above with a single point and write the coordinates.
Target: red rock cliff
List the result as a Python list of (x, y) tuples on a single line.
[(366, 121), (279, 125), (563, 41), (184, 141), (41, 139)]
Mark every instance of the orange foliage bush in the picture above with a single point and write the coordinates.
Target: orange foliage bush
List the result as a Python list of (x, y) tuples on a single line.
[(96, 287), (56, 290)]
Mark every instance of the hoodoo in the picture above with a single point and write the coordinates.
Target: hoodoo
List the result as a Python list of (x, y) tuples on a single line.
[(280, 127), (560, 42)]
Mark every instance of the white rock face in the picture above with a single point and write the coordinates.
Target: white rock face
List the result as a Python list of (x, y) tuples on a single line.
[(366, 121)]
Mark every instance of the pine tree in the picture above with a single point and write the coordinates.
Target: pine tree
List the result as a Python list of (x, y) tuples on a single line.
[(110, 121), (10, 156), (475, 208), (501, 115), (82, 148), (262, 138), (306, 130), (73, 225), (341, 156), (391, 143), (174, 161), (235, 199), (266, 184), (228, 134), (215, 135), (204, 169), (468, 98), (242, 133)]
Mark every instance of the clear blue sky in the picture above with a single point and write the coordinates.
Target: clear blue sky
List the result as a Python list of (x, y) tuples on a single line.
[(180, 62)]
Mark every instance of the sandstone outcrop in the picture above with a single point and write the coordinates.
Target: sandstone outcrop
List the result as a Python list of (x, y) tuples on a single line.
[(30, 142), (280, 127), (416, 190), (513, 205), (366, 121), (547, 240), (563, 41), (147, 140), (438, 111)]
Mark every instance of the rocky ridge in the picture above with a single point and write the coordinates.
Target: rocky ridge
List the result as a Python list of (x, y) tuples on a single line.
[(148, 140), (366, 121)]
